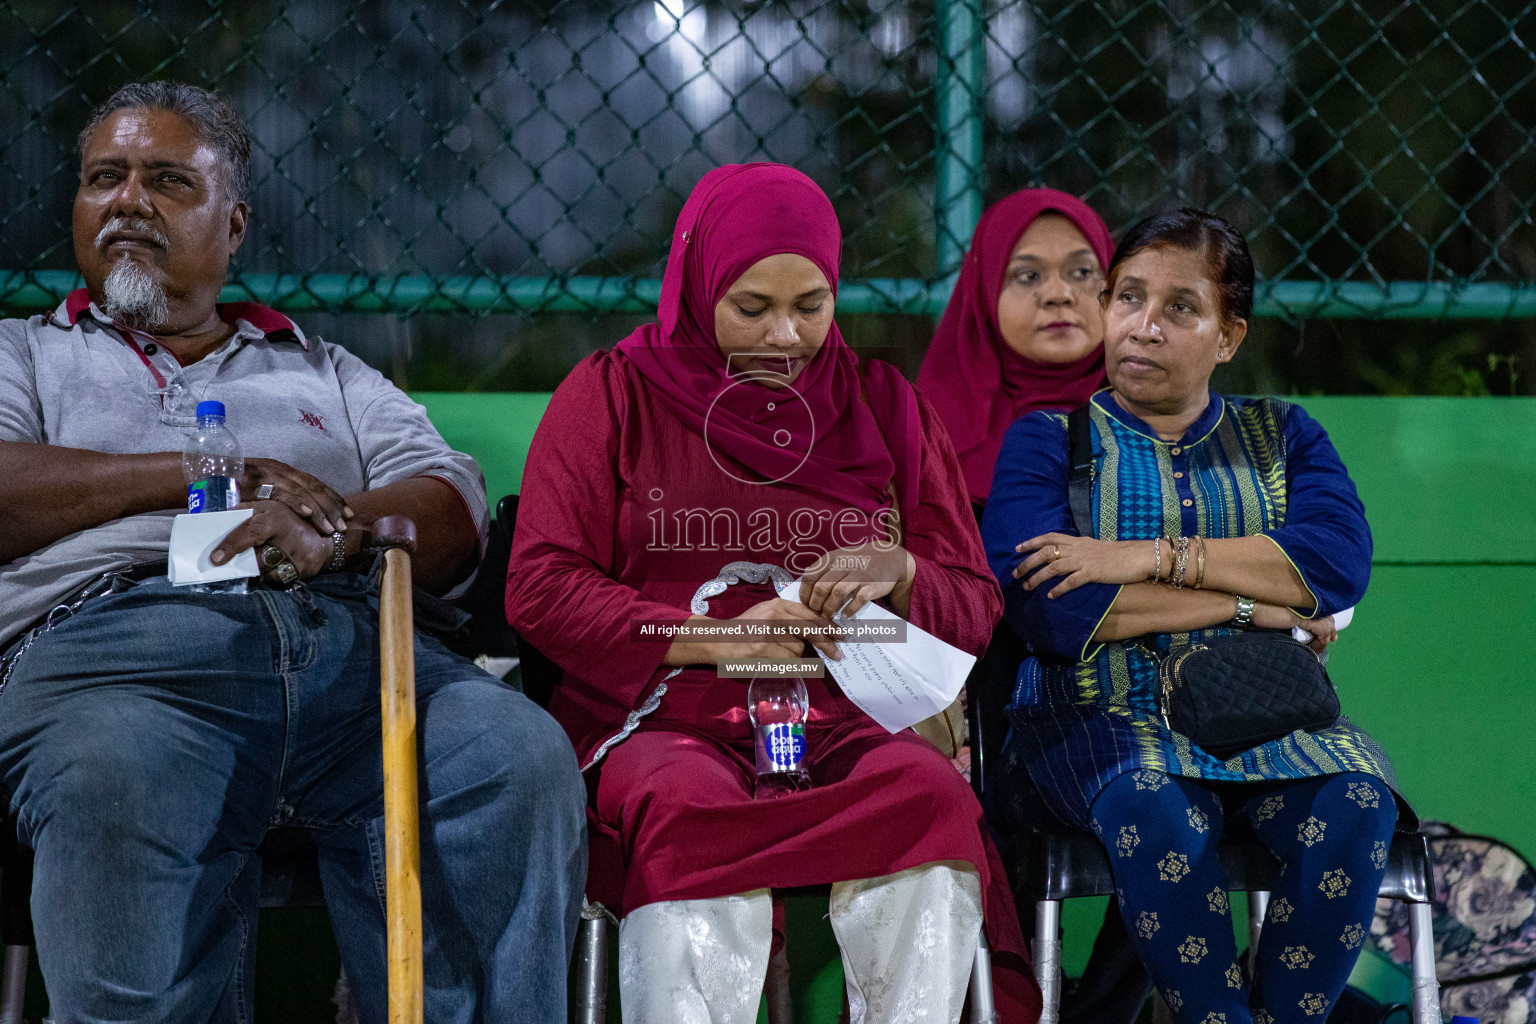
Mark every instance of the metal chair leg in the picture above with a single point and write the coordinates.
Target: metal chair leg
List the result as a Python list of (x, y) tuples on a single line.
[(983, 1006), (781, 1009), (1426, 987), (13, 984), (1258, 906), (1048, 958), (592, 965)]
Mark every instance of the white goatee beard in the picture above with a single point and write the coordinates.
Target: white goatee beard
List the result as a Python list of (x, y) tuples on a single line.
[(133, 298)]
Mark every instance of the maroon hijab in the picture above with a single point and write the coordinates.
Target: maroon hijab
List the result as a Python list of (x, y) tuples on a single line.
[(976, 382), (816, 434)]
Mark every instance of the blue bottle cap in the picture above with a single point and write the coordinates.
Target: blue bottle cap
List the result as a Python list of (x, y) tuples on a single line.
[(209, 409)]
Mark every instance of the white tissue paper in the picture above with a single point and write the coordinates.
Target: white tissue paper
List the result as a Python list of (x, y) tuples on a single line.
[(193, 538), (1340, 620)]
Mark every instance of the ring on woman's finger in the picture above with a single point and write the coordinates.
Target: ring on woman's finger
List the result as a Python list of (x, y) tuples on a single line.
[(264, 492)]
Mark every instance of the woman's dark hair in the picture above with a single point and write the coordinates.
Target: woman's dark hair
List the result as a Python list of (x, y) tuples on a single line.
[(1227, 259)]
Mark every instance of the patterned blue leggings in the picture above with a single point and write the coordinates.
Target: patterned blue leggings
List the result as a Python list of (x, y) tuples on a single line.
[(1330, 835)]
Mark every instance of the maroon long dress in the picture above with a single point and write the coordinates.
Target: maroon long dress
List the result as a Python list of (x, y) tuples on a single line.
[(600, 549)]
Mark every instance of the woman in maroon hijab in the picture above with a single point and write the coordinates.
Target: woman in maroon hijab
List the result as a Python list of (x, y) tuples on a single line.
[(735, 443), (1023, 329)]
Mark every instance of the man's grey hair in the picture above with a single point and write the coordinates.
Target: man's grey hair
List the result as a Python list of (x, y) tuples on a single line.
[(213, 119)]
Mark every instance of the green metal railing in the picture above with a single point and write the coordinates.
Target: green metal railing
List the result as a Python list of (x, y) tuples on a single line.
[(1398, 300), (507, 158)]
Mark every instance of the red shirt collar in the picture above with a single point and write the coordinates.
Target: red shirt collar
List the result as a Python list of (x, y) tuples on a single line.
[(274, 325)]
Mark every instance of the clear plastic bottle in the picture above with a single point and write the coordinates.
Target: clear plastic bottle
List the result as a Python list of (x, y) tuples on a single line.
[(212, 465), (778, 709)]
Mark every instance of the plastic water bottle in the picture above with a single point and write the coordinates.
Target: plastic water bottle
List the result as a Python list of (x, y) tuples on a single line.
[(778, 709), (212, 465)]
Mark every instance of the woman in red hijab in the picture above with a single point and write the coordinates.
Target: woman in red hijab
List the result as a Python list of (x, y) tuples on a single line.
[(736, 443), (1023, 329)]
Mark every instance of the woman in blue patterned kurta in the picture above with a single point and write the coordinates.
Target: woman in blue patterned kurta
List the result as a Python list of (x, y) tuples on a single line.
[(1257, 486)]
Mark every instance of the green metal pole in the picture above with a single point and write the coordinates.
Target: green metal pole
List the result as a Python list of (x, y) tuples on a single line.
[(960, 88)]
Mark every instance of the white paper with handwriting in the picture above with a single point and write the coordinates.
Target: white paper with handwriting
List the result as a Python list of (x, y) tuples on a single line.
[(896, 684)]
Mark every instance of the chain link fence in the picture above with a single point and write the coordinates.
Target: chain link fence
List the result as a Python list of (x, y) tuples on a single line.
[(492, 158)]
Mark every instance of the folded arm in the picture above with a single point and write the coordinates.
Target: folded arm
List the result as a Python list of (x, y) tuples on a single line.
[(1142, 608), (47, 492), (1253, 566)]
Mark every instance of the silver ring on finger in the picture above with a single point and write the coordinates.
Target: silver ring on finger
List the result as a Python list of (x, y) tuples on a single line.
[(286, 573), (264, 492), (272, 556)]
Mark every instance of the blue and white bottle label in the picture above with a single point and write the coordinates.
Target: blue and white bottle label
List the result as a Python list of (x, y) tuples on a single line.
[(214, 494), (780, 747)]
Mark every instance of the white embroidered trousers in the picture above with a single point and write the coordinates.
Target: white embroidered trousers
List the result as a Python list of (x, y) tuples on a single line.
[(908, 942)]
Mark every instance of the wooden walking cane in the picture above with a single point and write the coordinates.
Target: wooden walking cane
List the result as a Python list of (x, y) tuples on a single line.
[(402, 847)]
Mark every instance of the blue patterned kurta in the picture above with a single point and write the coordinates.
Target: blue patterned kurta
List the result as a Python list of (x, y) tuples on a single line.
[(1085, 713)]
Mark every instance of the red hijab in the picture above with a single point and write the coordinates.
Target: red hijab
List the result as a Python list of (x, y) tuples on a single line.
[(976, 382), (816, 434)]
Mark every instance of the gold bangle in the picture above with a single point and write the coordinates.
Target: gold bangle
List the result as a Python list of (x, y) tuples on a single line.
[(1200, 564), (1157, 559)]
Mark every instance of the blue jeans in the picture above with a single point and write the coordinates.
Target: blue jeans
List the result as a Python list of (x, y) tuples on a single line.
[(149, 742)]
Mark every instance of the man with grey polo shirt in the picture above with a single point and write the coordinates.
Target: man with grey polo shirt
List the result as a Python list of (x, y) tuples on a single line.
[(151, 737)]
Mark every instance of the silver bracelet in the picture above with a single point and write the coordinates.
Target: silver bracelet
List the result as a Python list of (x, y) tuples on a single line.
[(1244, 611), (1176, 571), (338, 560)]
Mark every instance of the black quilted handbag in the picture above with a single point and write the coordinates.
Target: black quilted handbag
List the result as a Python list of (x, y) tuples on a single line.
[(1237, 692)]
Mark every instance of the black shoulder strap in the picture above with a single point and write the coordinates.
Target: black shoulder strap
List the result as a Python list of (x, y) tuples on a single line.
[(1080, 481)]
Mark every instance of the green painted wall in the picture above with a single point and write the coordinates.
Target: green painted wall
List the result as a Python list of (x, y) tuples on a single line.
[(1436, 664), (494, 428)]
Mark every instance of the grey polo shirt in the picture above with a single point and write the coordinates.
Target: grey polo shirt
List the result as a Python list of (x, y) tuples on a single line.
[(74, 380)]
